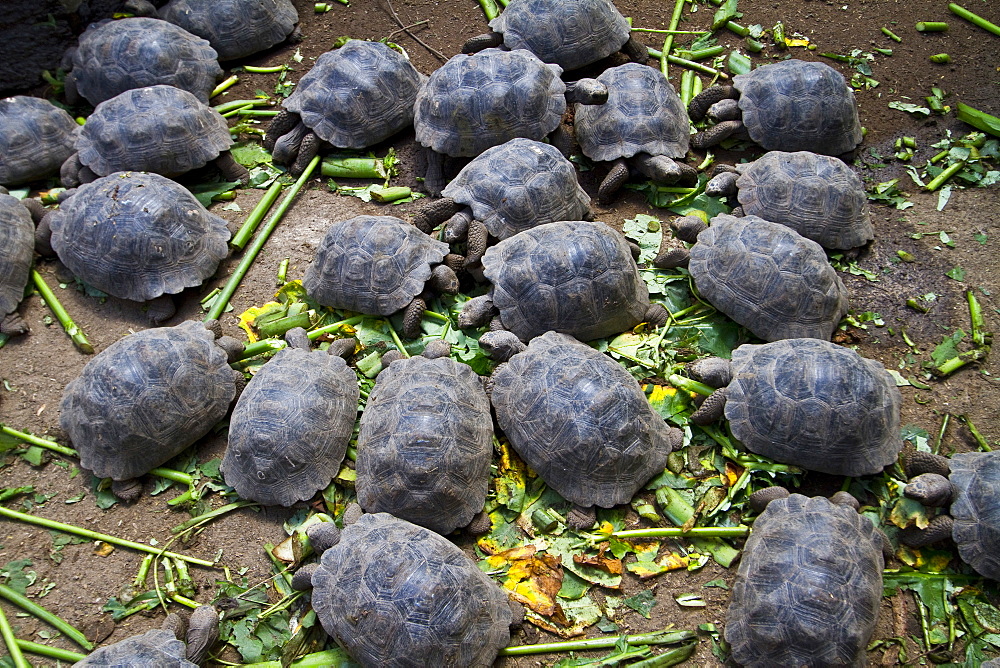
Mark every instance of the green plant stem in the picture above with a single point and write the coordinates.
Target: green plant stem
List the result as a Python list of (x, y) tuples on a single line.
[(655, 638), (335, 326), (668, 42), (233, 112), (690, 385), (353, 168), (940, 435), (976, 321), (41, 613), (51, 652), (386, 195), (490, 9), (49, 297), (690, 64), (978, 119), (261, 113), (658, 31), (211, 515), (978, 20), (246, 230), (228, 83), (94, 535), (324, 659), (702, 54), (891, 35), (980, 440), (694, 532), (260, 347), (251, 253), (265, 70), (239, 104), (931, 26), (736, 28), (13, 649), (943, 177), (940, 58), (39, 441), (396, 339)]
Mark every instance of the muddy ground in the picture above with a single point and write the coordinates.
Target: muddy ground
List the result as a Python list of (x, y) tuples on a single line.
[(35, 368)]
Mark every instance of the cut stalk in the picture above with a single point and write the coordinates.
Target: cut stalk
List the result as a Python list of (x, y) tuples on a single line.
[(353, 168), (695, 532), (687, 86), (94, 535), (490, 9), (668, 42), (211, 515), (49, 297), (980, 440), (974, 18), (978, 119), (690, 64), (658, 31), (261, 347), (282, 275), (702, 54), (396, 339), (734, 27), (225, 85), (236, 110), (655, 638), (940, 58), (335, 326), (41, 613), (324, 659), (943, 177), (13, 649), (891, 35), (682, 383), (386, 195), (251, 254), (976, 319), (261, 113), (39, 441), (253, 220), (931, 26), (265, 70), (239, 104), (51, 652)]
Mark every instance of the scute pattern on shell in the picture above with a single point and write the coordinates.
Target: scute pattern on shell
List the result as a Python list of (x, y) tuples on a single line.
[(814, 404), (794, 105), (518, 185), (473, 102), (808, 587), (138, 235), (153, 648), (768, 278), (290, 428), (17, 249), (37, 138), (357, 95), (234, 28), (145, 398), (396, 594), (158, 129), (643, 114), (580, 420), (425, 444), (818, 196), (575, 277), (569, 34), (372, 264), (118, 55), (976, 512)]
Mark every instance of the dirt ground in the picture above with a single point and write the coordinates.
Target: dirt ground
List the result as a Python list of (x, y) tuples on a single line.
[(35, 368)]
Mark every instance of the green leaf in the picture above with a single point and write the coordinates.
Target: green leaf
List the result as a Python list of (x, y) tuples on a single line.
[(642, 602), (250, 154), (727, 12), (956, 273), (948, 348), (720, 583), (204, 192), (646, 231), (34, 455), (573, 586), (910, 108), (16, 577), (566, 546)]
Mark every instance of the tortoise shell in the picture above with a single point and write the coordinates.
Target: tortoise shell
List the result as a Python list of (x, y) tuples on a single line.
[(17, 249), (234, 28), (156, 647), (976, 514), (37, 138)]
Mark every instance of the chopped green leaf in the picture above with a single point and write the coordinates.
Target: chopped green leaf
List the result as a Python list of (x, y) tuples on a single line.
[(956, 273), (642, 602)]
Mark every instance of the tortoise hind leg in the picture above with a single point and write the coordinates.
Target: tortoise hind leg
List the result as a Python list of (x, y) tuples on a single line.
[(490, 40), (613, 182)]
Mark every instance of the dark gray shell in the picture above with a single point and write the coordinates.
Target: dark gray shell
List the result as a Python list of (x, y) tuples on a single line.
[(396, 594), (794, 105), (473, 102), (976, 512), (580, 420), (290, 428), (569, 34), (158, 129), (814, 404), (357, 95), (372, 264), (808, 587), (153, 648), (425, 444), (17, 248), (518, 185), (37, 138), (234, 28), (818, 196), (643, 114), (118, 55), (146, 398), (138, 236), (768, 278), (575, 277)]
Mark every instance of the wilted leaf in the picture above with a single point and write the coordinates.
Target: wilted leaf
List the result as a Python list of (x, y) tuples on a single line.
[(599, 561), (535, 580), (566, 547), (642, 602), (908, 512), (691, 601), (578, 615)]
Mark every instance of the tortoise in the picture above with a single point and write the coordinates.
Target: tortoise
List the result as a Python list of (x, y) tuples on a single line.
[(507, 189), (818, 196), (967, 482), (425, 444), (806, 402), (764, 275), (792, 105), (158, 129), (474, 102), (643, 125), (393, 593), (37, 138), (17, 244), (576, 277), (809, 585), (379, 265), (162, 647), (147, 397), (114, 56), (353, 97), (137, 236), (234, 28), (568, 34), (581, 421), (291, 426)]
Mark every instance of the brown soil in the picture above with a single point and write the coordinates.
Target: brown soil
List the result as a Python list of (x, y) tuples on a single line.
[(35, 368)]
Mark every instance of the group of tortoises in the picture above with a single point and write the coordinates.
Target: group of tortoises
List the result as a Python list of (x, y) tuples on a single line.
[(389, 586)]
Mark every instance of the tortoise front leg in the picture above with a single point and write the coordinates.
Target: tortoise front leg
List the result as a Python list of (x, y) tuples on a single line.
[(613, 182), (490, 40)]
